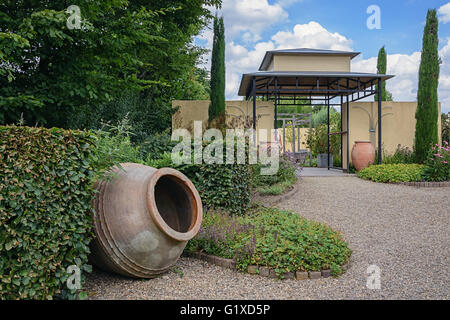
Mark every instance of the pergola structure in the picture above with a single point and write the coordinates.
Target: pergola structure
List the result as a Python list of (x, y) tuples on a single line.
[(289, 77)]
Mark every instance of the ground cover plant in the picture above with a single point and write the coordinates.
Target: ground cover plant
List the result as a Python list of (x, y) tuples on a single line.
[(393, 173), (278, 239)]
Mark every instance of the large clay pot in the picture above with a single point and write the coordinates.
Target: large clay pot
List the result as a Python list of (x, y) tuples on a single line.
[(363, 154), (144, 218)]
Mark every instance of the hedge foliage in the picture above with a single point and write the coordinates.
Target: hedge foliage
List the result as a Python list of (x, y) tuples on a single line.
[(393, 173), (45, 210), (224, 186), (278, 239)]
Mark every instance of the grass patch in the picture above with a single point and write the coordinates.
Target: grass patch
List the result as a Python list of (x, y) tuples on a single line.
[(278, 239), (393, 173), (276, 189)]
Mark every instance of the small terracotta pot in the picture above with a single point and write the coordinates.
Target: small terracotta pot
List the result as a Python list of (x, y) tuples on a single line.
[(363, 154)]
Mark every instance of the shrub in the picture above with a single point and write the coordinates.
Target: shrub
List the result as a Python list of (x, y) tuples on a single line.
[(269, 237), (224, 186), (401, 155), (45, 210), (113, 146), (437, 167), (317, 139), (278, 183), (393, 173)]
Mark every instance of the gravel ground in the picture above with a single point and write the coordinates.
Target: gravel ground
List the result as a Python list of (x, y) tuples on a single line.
[(403, 230)]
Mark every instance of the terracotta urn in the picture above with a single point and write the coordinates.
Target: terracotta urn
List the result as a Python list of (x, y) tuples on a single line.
[(143, 219), (363, 154)]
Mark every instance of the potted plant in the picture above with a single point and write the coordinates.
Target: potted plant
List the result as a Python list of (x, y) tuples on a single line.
[(318, 142)]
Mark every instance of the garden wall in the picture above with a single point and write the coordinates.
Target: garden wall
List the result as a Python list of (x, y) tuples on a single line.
[(399, 125), (190, 111)]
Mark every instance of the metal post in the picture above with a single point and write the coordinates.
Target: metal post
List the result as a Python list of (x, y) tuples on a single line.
[(293, 133), (310, 132), (342, 129), (254, 111), (328, 135), (380, 145), (348, 128)]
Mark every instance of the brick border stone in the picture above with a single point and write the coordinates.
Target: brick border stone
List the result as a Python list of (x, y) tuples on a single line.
[(422, 184), (263, 271)]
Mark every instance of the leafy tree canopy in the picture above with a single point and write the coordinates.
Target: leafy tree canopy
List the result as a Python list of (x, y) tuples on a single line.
[(49, 72)]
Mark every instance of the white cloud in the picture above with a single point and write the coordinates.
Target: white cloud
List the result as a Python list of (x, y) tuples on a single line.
[(311, 35), (242, 60), (406, 70), (251, 17), (444, 13)]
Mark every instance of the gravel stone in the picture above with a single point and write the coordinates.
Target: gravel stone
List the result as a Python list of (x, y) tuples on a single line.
[(403, 230)]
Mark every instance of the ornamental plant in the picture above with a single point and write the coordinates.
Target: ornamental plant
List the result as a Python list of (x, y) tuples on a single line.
[(437, 167), (391, 173), (274, 238)]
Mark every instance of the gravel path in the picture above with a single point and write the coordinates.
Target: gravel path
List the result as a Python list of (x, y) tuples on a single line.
[(403, 230)]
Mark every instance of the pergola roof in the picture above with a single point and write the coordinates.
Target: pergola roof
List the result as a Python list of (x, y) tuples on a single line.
[(308, 83), (303, 51)]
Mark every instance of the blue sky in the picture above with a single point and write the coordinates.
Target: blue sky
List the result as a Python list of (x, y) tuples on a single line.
[(255, 26)]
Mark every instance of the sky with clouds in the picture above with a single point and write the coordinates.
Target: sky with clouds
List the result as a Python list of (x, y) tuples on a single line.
[(256, 26)]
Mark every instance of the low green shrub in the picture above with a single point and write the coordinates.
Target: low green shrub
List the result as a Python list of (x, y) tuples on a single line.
[(393, 173), (437, 167), (278, 183), (273, 238), (46, 178)]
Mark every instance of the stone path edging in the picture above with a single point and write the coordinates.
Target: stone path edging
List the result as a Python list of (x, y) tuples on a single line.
[(263, 271), (425, 184)]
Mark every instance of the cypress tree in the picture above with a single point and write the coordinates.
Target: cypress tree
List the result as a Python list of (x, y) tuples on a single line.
[(217, 106), (427, 95), (381, 69)]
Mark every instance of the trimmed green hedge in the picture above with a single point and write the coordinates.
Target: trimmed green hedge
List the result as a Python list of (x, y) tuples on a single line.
[(45, 210), (393, 173), (278, 239), (224, 186)]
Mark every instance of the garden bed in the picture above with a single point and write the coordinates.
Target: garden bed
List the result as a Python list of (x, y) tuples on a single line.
[(271, 239)]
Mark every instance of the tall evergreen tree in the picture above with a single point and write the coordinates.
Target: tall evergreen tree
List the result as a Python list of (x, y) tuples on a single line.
[(217, 106), (427, 95), (381, 69)]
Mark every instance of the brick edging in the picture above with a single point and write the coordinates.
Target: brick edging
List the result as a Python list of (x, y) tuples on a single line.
[(288, 195), (263, 271), (425, 184)]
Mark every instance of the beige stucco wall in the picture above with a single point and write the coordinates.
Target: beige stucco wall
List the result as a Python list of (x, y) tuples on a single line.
[(399, 121), (237, 112), (398, 125), (328, 63)]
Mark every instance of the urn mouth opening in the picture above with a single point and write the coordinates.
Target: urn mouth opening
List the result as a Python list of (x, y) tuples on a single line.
[(174, 204)]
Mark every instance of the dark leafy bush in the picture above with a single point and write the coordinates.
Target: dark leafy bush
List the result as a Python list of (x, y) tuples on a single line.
[(224, 186), (45, 210), (437, 167), (393, 173), (269, 237)]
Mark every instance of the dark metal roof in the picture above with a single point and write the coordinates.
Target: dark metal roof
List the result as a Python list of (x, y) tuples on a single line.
[(305, 51), (308, 80)]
